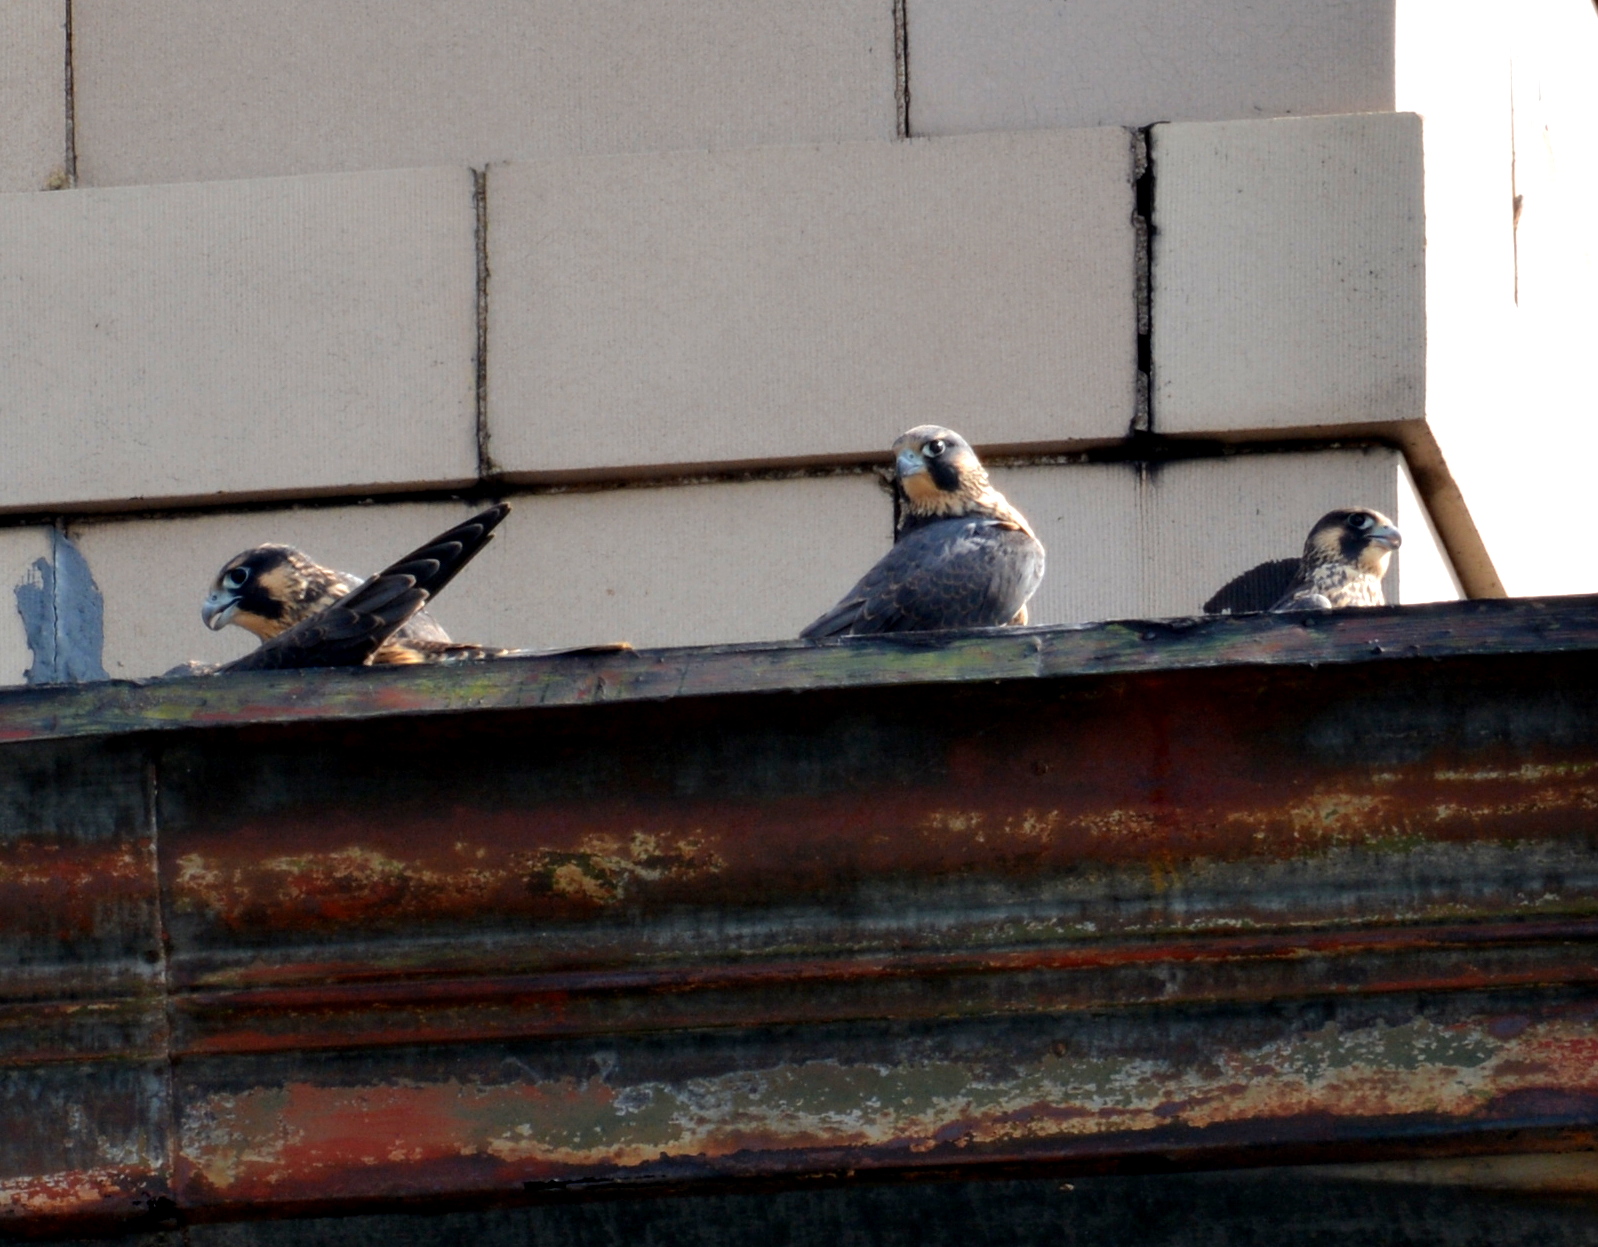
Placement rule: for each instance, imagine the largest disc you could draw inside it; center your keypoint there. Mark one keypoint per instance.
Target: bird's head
(266, 591)
(937, 473)
(1358, 537)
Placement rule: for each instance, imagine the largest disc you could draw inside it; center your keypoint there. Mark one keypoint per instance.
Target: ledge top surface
(1383, 634)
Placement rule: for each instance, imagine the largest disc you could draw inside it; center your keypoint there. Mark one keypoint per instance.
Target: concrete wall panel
(174, 90)
(1289, 283)
(246, 338)
(33, 96)
(1023, 64)
(793, 304)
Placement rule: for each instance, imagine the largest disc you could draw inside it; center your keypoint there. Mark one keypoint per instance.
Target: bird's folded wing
(347, 632)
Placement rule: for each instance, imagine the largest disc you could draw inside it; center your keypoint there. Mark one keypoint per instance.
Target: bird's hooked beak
(218, 609)
(909, 463)
(1386, 536)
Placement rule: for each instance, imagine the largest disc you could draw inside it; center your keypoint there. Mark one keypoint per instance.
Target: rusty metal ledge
(1197, 892)
(1441, 630)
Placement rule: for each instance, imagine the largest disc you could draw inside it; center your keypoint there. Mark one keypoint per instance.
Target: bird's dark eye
(235, 579)
(934, 448)
(1359, 523)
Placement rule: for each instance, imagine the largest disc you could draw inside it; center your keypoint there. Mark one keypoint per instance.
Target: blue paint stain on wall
(63, 614)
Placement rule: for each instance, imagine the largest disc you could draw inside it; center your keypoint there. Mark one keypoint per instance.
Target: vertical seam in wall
(70, 158)
(901, 66)
(485, 461)
(1143, 232)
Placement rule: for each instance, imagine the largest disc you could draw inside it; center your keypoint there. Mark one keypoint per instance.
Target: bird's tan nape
(974, 497)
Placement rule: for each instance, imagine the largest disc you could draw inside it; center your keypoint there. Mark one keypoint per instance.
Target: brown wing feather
(349, 631)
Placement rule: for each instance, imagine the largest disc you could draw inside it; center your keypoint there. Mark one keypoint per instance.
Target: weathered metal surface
(1432, 1204)
(1551, 1173)
(78, 908)
(1053, 898)
(842, 822)
(1486, 626)
(84, 1141)
(672, 1108)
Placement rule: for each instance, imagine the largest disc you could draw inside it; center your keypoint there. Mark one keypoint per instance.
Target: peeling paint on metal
(266, 1144)
(353, 882)
(63, 615)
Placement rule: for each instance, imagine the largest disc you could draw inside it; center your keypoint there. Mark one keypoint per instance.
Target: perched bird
(963, 557)
(1344, 561)
(310, 616)
(271, 588)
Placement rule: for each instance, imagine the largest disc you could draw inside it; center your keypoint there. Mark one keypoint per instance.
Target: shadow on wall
(64, 616)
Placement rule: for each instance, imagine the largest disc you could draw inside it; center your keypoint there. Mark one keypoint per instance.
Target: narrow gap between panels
(1143, 275)
(901, 65)
(485, 463)
(70, 156)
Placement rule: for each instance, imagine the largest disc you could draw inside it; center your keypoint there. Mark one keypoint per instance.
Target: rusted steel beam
(967, 816)
(919, 986)
(758, 1102)
(1056, 898)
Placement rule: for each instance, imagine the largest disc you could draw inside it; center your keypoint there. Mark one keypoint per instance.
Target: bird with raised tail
(308, 615)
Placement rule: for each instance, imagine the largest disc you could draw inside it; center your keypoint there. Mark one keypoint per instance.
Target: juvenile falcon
(311, 616)
(1344, 561)
(963, 557)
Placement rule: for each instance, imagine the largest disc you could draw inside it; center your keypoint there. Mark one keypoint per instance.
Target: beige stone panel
(680, 565)
(1022, 64)
(21, 549)
(796, 303)
(1125, 542)
(1094, 559)
(677, 565)
(33, 94)
(243, 338)
(174, 90)
(153, 574)
(1289, 283)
